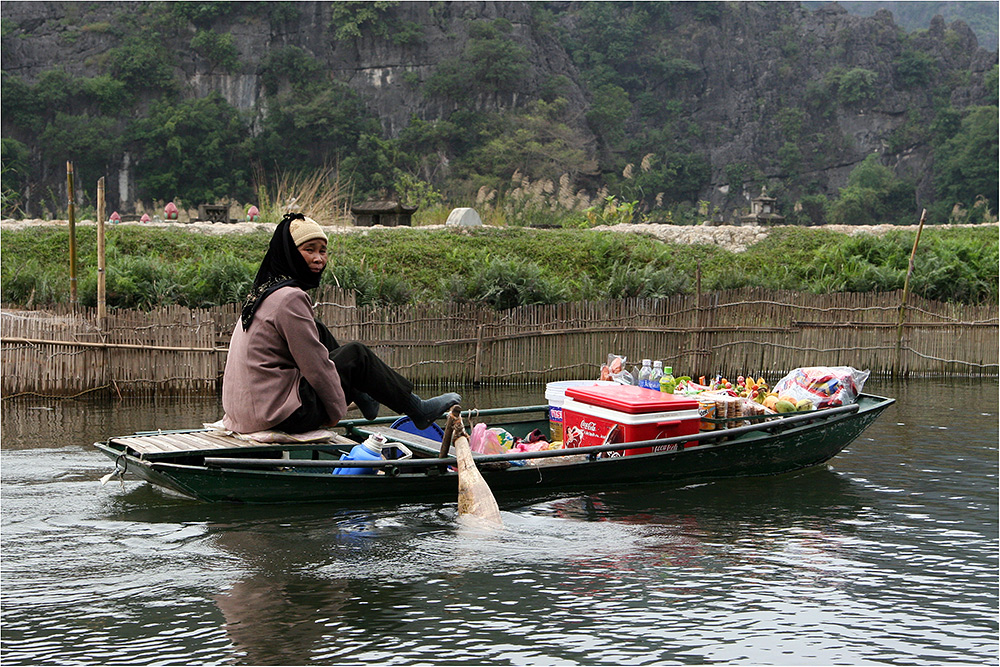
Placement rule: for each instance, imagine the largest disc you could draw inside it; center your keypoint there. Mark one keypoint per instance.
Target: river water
(888, 555)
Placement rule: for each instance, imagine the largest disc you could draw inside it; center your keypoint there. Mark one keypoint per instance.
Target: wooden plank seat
(184, 443)
(192, 442)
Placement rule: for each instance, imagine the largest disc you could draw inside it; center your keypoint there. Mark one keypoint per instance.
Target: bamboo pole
(102, 306)
(906, 293)
(20, 340)
(71, 215)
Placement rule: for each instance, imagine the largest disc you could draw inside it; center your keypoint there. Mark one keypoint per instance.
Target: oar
(474, 495)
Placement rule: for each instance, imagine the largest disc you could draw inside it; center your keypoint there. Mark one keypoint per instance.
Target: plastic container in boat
(555, 395)
(599, 415)
(369, 450)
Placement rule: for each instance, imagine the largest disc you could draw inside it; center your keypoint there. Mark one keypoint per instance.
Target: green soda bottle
(667, 382)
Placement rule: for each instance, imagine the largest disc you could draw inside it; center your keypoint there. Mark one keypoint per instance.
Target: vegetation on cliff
(643, 102)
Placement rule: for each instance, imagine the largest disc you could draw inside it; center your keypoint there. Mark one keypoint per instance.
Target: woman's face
(314, 252)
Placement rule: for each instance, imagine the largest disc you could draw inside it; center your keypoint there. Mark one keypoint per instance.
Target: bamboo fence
(176, 350)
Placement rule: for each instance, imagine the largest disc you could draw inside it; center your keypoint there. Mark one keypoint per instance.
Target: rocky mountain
(913, 15)
(721, 99)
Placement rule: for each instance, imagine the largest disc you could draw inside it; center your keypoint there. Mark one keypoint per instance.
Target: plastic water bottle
(369, 450)
(645, 373)
(668, 383)
(654, 379)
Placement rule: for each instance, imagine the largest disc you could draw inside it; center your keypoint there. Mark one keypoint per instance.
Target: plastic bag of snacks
(615, 370)
(825, 386)
(504, 436)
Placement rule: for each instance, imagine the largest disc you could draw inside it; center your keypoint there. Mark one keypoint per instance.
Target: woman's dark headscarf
(282, 265)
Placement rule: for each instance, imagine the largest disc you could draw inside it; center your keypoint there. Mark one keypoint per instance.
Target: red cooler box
(590, 413)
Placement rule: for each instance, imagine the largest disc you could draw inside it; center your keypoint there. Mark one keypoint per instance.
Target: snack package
(615, 365)
(504, 436)
(825, 386)
(615, 370)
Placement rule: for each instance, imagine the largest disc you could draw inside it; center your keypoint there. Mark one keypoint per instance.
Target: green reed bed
(503, 267)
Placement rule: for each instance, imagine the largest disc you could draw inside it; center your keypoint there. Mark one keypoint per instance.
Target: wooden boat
(211, 466)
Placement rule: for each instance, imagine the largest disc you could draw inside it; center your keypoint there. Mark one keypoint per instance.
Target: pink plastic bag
(484, 441)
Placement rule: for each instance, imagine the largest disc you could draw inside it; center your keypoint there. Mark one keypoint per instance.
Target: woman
(285, 371)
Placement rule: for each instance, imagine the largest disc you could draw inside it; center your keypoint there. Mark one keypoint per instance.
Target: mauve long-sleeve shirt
(260, 388)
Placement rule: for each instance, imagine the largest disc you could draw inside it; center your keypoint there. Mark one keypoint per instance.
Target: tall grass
(542, 203)
(320, 194)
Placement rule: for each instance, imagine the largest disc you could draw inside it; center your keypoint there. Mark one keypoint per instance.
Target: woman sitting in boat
(285, 371)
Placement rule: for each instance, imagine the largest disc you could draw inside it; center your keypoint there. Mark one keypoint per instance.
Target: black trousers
(361, 371)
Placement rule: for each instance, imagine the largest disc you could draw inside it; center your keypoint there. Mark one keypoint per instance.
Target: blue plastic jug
(369, 450)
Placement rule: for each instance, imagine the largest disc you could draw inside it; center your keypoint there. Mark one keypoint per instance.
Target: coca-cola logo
(588, 426)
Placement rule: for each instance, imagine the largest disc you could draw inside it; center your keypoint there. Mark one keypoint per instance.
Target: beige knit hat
(305, 230)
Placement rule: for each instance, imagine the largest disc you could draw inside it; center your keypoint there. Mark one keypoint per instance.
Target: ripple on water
(888, 555)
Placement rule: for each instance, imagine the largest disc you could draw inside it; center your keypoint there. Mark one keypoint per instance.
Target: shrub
(218, 49)
(348, 17)
(201, 13)
(790, 159)
(610, 107)
(373, 288)
(288, 64)
(811, 210)
(219, 279)
(856, 86)
(873, 195)
(142, 62)
(140, 282)
(647, 282)
(89, 142)
(112, 96)
(853, 87)
(504, 283)
(915, 68)
(33, 283)
(325, 126)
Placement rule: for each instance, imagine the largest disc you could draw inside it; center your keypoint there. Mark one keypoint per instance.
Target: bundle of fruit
(787, 403)
(752, 396)
(722, 403)
(745, 387)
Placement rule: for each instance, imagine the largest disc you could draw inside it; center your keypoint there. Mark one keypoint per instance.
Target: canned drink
(706, 410)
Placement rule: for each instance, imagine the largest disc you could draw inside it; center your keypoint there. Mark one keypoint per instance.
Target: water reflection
(818, 494)
(281, 611)
(685, 527)
(888, 555)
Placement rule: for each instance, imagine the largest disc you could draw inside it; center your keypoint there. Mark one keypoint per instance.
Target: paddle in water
(474, 496)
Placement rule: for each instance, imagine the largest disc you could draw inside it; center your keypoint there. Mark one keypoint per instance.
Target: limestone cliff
(736, 67)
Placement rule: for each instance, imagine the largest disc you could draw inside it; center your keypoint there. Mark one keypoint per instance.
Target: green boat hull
(770, 448)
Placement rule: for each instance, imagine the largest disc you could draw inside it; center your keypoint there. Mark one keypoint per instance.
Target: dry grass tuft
(320, 195)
